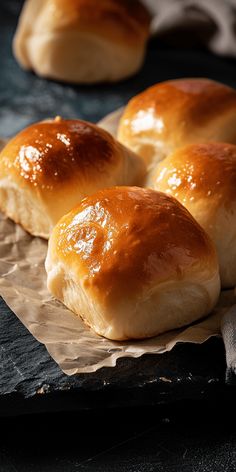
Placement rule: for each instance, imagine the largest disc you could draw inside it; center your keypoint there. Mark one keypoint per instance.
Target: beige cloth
(190, 23)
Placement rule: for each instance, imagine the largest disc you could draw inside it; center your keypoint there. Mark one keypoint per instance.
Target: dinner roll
(132, 263)
(203, 178)
(47, 168)
(175, 113)
(82, 41)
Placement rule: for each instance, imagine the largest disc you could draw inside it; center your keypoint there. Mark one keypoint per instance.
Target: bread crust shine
(203, 178)
(123, 259)
(54, 164)
(172, 114)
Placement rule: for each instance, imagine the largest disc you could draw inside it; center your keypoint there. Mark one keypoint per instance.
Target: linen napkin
(228, 329)
(190, 23)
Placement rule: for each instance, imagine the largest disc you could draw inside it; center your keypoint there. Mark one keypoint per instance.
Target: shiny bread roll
(172, 114)
(132, 263)
(47, 168)
(82, 41)
(203, 178)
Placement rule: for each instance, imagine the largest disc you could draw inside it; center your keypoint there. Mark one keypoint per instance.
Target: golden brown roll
(132, 263)
(50, 166)
(203, 178)
(175, 113)
(82, 41)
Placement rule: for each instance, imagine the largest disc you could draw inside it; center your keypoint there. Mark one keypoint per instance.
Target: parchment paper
(70, 343)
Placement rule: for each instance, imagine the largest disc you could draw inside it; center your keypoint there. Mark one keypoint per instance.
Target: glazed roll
(132, 263)
(203, 178)
(172, 114)
(47, 168)
(82, 41)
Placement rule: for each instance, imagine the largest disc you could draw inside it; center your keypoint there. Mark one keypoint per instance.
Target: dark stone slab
(30, 381)
(183, 437)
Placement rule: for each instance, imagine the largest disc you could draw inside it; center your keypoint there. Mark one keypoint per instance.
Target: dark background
(147, 431)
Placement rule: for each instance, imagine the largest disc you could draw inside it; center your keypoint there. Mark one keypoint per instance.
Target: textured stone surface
(29, 379)
(179, 438)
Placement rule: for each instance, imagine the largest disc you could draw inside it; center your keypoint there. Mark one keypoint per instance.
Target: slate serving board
(30, 381)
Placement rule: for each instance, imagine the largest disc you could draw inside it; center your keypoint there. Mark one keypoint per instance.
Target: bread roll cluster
(172, 114)
(185, 130)
(142, 232)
